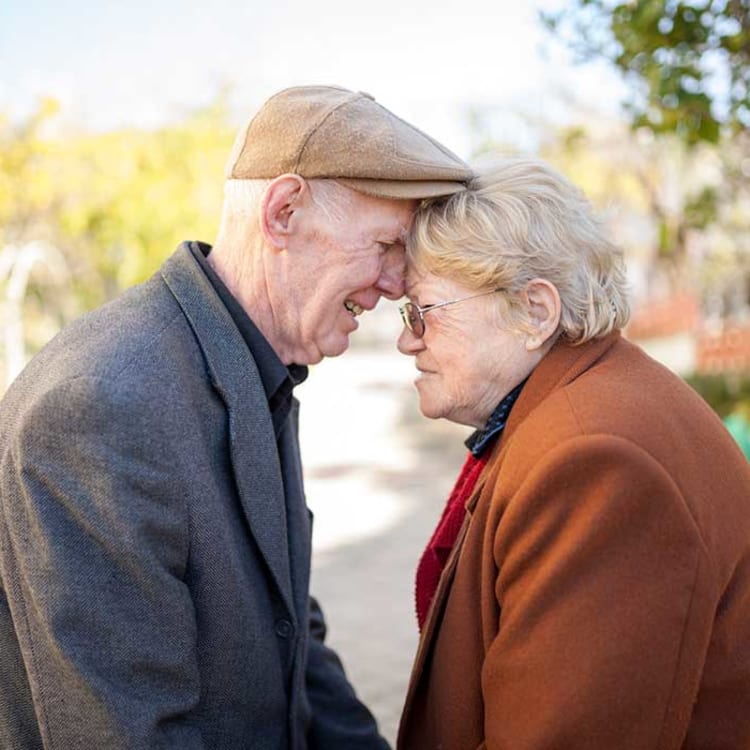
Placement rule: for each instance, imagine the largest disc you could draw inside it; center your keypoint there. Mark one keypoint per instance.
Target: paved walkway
(377, 475)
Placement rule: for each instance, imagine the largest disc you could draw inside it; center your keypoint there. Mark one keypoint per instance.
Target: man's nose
(390, 283)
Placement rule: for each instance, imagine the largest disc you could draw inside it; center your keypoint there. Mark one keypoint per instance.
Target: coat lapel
(235, 377)
(560, 366)
(434, 614)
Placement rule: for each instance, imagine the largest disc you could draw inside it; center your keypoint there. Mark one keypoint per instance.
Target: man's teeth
(353, 308)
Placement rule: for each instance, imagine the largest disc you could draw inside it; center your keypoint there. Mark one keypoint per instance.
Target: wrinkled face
(343, 265)
(467, 360)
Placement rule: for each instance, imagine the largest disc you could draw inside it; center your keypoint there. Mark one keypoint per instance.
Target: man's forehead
(398, 212)
(398, 226)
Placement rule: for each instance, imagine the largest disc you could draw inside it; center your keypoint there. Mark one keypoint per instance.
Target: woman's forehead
(414, 279)
(423, 282)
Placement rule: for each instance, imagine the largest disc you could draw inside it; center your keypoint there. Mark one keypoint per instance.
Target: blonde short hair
(519, 220)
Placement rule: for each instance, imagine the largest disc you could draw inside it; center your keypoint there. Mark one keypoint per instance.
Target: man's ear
(544, 309)
(279, 203)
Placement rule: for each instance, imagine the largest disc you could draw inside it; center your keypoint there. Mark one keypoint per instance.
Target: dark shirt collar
(479, 440)
(278, 380)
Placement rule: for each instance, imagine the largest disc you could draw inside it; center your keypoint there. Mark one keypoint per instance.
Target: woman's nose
(408, 343)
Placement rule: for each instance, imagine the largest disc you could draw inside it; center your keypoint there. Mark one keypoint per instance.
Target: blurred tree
(688, 65)
(688, 62)
(657, 196)
(114, 204)
(26, 194)
(133, 196)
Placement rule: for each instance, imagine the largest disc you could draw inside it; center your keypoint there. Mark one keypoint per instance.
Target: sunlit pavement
(376, 477)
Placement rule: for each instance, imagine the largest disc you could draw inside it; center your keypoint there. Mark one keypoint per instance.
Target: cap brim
(404, 189)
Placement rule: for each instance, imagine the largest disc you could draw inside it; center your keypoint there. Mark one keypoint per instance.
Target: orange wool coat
(598, 596)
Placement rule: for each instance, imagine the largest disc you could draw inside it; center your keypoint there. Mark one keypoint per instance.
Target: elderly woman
(588, 584)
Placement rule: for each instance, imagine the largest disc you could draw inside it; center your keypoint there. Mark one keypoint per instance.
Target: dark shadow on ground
(366, 588)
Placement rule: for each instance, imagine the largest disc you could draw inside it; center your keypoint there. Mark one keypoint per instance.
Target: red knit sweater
(439, 547)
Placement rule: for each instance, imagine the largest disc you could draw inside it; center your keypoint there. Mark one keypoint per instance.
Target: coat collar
(234, 375)
(562, 364)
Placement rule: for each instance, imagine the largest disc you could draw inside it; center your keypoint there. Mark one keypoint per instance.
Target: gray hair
(240, 236)
(519, 220)
(242, 198)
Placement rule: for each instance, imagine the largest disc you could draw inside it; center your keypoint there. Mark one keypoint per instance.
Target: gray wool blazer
(146, 596)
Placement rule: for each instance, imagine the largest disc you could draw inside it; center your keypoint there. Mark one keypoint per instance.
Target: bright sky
(143, 63)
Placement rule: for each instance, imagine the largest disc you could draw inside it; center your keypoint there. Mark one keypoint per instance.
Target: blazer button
(284, 628)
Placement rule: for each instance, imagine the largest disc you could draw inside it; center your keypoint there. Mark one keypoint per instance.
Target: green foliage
(725, 394)
(729, 397)
(701, 210)
(688, 62)
(116, 203)
(738, 425)
(26, 189)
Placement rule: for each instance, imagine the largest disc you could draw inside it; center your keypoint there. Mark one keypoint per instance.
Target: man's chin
(334, 347)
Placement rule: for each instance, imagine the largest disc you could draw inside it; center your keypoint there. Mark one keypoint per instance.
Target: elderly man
(154, 539)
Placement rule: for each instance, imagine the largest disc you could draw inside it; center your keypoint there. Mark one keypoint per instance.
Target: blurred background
(116, 120)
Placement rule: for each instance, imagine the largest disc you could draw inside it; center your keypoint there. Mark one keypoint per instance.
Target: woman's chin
(428, 407)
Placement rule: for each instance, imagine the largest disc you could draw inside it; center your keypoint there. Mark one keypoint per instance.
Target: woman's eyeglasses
(413, 315)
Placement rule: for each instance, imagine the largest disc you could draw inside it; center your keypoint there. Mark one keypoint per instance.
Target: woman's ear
(544, 309)
(279, 203)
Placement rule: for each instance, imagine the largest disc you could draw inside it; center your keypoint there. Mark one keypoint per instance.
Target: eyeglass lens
(414, 320)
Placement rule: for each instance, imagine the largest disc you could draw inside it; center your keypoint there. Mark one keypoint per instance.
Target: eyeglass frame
(427, 308)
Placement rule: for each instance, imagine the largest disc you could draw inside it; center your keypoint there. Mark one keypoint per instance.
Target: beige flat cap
(331, 132)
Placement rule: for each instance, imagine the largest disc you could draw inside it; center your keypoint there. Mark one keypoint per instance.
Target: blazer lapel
(235, 377)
